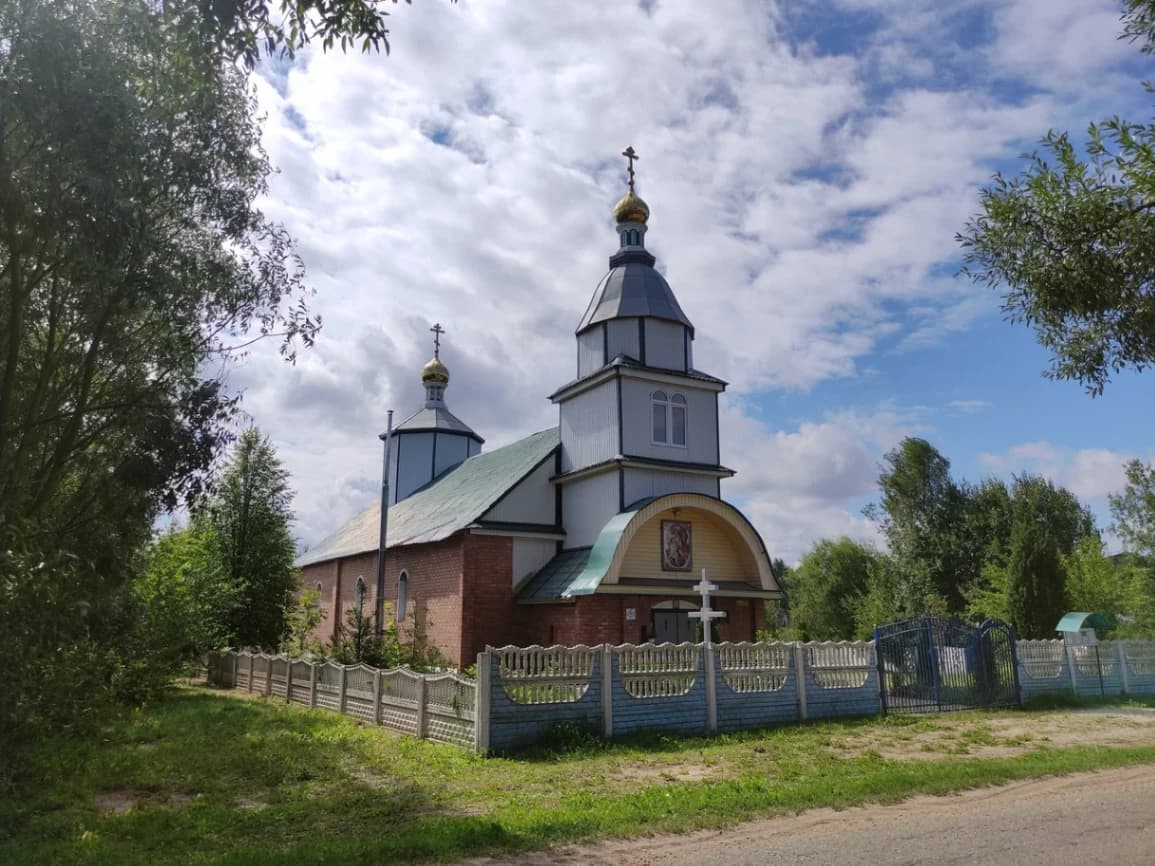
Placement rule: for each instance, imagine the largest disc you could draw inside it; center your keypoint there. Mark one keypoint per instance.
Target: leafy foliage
(827, 587)
(1071, 241)
(398, 644)
(924, 514)
(300, 620)
(246, 527)
(246, 30)
(1133, 509)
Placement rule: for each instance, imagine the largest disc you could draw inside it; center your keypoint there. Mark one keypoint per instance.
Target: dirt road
(1090, 819)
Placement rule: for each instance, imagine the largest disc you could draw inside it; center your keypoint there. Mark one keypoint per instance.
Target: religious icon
(677, 550)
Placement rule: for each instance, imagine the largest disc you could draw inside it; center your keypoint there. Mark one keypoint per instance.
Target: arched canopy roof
(604, 564)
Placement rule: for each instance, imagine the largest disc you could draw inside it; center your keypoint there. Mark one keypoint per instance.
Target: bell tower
(638, 421)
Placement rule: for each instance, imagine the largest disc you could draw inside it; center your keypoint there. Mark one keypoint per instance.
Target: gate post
(1070, 656)
(878, 663)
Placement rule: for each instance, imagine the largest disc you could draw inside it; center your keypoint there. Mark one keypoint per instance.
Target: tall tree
(1070, 242)
(246, 526)
(1047, 524)
(827, 587)
(923, 513)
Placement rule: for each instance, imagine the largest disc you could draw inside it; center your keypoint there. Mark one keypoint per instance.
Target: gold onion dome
(631, 209)
(435, 371)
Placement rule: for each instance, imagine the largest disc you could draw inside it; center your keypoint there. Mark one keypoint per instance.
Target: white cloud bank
(804, 202)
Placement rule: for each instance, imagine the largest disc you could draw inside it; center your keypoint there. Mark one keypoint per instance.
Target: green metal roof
(602, 553)
(1081, 619)
(447, 505)
(554, 578)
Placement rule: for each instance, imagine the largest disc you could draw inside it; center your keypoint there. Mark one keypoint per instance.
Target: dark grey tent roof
(633, 288)
(435, 418)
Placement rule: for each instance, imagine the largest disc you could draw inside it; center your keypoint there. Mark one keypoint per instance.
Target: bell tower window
(669, 418)
(677, 420)
(661, 406)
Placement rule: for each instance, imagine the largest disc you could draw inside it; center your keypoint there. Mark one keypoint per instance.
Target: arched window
(359, 596)
(402, 595)
(661, 406)
(677, 420)
(669, 413)
(320, 592)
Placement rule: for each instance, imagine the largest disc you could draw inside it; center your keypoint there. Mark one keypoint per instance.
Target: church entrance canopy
(659, 546)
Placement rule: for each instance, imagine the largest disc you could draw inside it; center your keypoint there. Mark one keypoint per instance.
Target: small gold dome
(631, 209)
(435, 371)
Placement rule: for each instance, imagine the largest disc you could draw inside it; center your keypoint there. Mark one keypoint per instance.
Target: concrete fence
(433, 706)
(1118, 667)
(526, 693)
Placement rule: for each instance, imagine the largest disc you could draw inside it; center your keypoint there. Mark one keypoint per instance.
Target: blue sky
(807, 166)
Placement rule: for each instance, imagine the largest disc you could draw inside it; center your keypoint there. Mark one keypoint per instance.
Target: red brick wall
(462, 590)
(434, 588)
(488, 615)
(595, 619)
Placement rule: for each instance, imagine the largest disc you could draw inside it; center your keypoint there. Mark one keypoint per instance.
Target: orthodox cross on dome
(706, 615)
(437, 332)
(630, 154)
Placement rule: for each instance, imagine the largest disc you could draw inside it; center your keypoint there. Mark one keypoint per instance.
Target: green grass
(217, 779)
(1066, 700)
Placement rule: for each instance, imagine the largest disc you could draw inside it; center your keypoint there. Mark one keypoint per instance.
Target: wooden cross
(630, 154)
(437, 332)
(706, 615)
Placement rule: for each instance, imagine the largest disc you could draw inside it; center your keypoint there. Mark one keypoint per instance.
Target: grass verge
(211, 779)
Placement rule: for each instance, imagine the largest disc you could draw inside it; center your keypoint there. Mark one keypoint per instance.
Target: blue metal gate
(934, 664)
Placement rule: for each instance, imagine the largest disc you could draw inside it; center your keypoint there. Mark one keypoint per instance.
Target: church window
(678, 420)
(320, 591)
(359, 596)
(661, 406)
(669, 416)
(402, 595)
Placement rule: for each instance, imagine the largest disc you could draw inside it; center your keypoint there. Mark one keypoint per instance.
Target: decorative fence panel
(435, 706)
(841, 679)
(1099, 669)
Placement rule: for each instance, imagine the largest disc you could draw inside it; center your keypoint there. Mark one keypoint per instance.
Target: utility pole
(385, 437)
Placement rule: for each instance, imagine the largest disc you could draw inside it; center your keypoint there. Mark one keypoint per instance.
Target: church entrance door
(672, 626)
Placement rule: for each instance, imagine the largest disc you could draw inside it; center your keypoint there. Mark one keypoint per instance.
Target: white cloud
(802, 214)
(796, 485)
(1089, 473)
(969, 407)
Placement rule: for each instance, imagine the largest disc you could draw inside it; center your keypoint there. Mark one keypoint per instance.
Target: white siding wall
(623, 338)
(586, 506)
(644, 483)
(413, 458)
(638, 430)
(665, 344)
(531, 501)
(451, 450)
(530, 554)
(589, 427)
(591, 351)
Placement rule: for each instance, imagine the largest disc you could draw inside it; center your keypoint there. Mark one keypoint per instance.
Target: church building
(593, 531)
